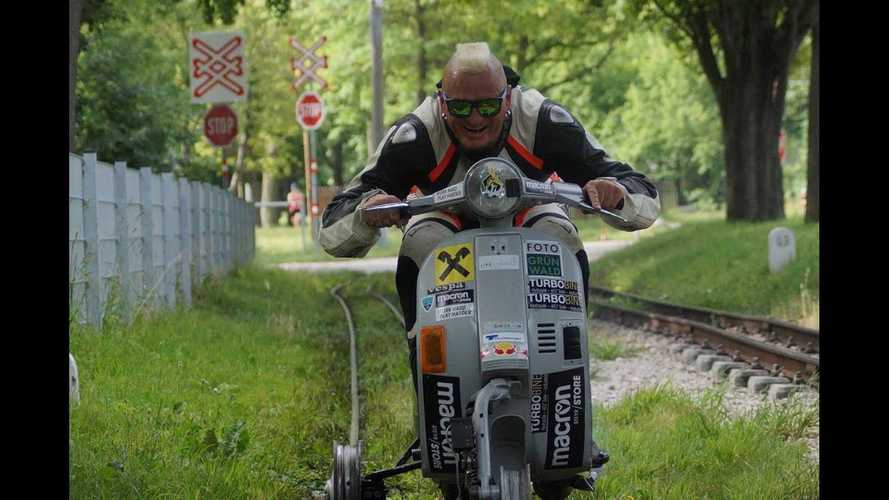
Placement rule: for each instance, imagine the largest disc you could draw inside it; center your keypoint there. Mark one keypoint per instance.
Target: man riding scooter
(479, 111)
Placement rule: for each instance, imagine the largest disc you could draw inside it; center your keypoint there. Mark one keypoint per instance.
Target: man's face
(475, 132)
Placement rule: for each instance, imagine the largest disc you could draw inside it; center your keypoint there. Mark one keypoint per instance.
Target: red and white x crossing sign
(307, 63)
(218, 69)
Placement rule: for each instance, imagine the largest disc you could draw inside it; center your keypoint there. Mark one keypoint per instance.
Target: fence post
(147, 199)
(167, 188)
(194, 203)
(91, 238)
(229, 240)
(122, 229)
(185, 239)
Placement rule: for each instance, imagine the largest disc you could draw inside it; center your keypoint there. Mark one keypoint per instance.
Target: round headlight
(486, 187)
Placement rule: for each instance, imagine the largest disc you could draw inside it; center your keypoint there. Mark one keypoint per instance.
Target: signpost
(218, 74)
(309, 115)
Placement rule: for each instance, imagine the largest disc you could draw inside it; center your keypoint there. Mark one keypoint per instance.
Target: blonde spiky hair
(473, 58)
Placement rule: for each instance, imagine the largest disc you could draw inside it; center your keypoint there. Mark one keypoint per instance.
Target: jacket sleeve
(398, 163)
(577, 157)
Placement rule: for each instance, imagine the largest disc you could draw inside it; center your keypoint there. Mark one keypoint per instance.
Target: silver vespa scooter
(502, 359)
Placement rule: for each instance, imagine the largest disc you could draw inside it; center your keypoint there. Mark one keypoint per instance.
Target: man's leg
(421, 235)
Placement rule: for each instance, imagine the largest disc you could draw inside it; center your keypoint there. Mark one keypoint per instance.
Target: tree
(745, 49)
(813, 198)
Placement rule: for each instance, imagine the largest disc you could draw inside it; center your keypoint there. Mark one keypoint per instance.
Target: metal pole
(376, 28)
(314, 170)
(307, 154)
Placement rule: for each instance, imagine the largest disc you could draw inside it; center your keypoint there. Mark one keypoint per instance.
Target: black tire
(552, 491)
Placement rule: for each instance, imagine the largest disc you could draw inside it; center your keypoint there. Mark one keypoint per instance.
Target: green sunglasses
(486, 107)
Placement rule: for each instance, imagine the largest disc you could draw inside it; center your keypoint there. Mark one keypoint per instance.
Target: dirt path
(594, 250)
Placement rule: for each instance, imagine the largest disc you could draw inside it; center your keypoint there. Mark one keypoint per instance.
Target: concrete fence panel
(142, 240)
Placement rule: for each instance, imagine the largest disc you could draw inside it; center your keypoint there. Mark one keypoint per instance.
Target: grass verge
(709, 262)
(279, 244)
(666, 445)
(242, 396)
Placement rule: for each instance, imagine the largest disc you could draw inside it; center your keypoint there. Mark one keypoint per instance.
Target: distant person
(296, 205)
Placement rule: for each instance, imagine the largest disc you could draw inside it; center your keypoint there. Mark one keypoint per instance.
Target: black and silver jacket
(539, 136)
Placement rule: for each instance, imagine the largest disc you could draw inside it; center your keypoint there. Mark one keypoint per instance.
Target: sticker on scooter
(553, 293)
(441, 399)
(505, 344)
(446, 288)
(565, 439)
(454, 264)
(498, 262)
(456, 297)
(427, 302)
(539, 403)
(543, 258)
(454, 312)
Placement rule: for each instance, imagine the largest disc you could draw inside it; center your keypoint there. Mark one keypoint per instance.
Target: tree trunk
(813, 200)
(75, 10)
(237, 182)
(268, 215)
(751, 117)
(422, 65)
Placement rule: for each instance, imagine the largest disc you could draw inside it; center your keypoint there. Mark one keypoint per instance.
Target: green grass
(709, 262)
(242, 396)
(605, 348)
(666, 445)
(279, 244)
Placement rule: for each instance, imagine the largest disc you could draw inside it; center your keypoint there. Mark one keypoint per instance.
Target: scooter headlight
(486, 191)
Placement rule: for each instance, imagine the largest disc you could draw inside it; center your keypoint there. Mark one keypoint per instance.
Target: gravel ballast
(652, 363)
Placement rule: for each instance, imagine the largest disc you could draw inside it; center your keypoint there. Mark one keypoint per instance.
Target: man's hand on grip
(604, 193)
(383, 218)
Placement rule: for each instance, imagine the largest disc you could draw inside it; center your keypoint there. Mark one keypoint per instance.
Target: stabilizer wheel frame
(345, 476)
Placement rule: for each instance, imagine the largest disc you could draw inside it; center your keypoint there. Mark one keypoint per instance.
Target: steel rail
(791, 363)
(353, 357)
(388, 304)
(807, 339)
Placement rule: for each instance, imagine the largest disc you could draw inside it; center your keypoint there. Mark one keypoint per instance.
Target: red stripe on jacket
(530, 158)
(443, 164)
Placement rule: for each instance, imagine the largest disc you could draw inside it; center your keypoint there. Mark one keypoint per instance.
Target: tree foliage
(636, 86)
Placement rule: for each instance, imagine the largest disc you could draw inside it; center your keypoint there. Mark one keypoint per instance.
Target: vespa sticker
(454, 264)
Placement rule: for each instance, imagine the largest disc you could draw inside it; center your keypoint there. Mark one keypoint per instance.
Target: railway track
(781, 348)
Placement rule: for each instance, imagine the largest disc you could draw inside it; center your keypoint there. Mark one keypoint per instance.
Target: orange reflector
(432, 349)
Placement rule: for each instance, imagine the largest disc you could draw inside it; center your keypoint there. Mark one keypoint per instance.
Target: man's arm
(388, 176)
(579, 158)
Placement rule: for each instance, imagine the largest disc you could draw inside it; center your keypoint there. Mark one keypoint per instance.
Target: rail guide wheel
(345, 476)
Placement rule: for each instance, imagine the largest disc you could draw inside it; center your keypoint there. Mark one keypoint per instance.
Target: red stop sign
(221, 125)
(310, 110)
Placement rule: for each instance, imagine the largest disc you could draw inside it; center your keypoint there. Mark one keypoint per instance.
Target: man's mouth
(475, 131)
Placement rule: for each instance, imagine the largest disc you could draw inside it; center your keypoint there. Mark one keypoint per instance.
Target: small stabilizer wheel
(345, 476)
(515, 484)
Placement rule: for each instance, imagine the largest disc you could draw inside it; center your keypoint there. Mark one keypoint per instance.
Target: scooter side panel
(541, 303)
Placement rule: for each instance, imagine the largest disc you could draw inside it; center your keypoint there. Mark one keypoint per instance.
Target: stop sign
(309, 110)
(221, 125)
